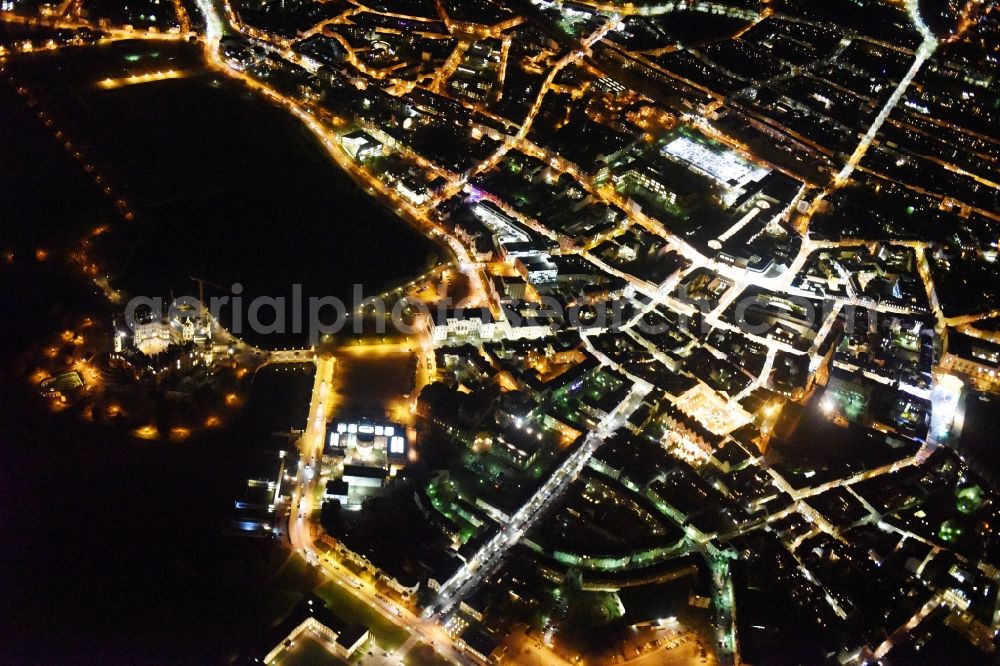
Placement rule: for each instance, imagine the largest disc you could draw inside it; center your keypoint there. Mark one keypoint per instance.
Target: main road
(924, 51)
(300, 535)
(489, 556)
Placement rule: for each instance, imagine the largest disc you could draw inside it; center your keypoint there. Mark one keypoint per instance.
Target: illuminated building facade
(368, 442)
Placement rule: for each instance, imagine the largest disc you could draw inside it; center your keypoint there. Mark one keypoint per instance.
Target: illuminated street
(663, 331)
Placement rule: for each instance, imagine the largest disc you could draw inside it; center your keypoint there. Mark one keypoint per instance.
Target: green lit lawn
(351, 609)
(423, 655)
(852, 406)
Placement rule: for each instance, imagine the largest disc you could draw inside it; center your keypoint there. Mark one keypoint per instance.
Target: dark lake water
(113, 549)
(224, 185)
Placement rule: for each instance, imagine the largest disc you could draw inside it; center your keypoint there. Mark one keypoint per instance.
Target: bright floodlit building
(311, 618)
(463, 324)
(944, 406)
(971, 357)
(726, 167)
(363, 441)
(361, 145)
(644, 177)
(500, 224)
(155, 336)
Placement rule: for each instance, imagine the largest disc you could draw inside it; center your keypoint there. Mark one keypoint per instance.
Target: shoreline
(432, 255)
